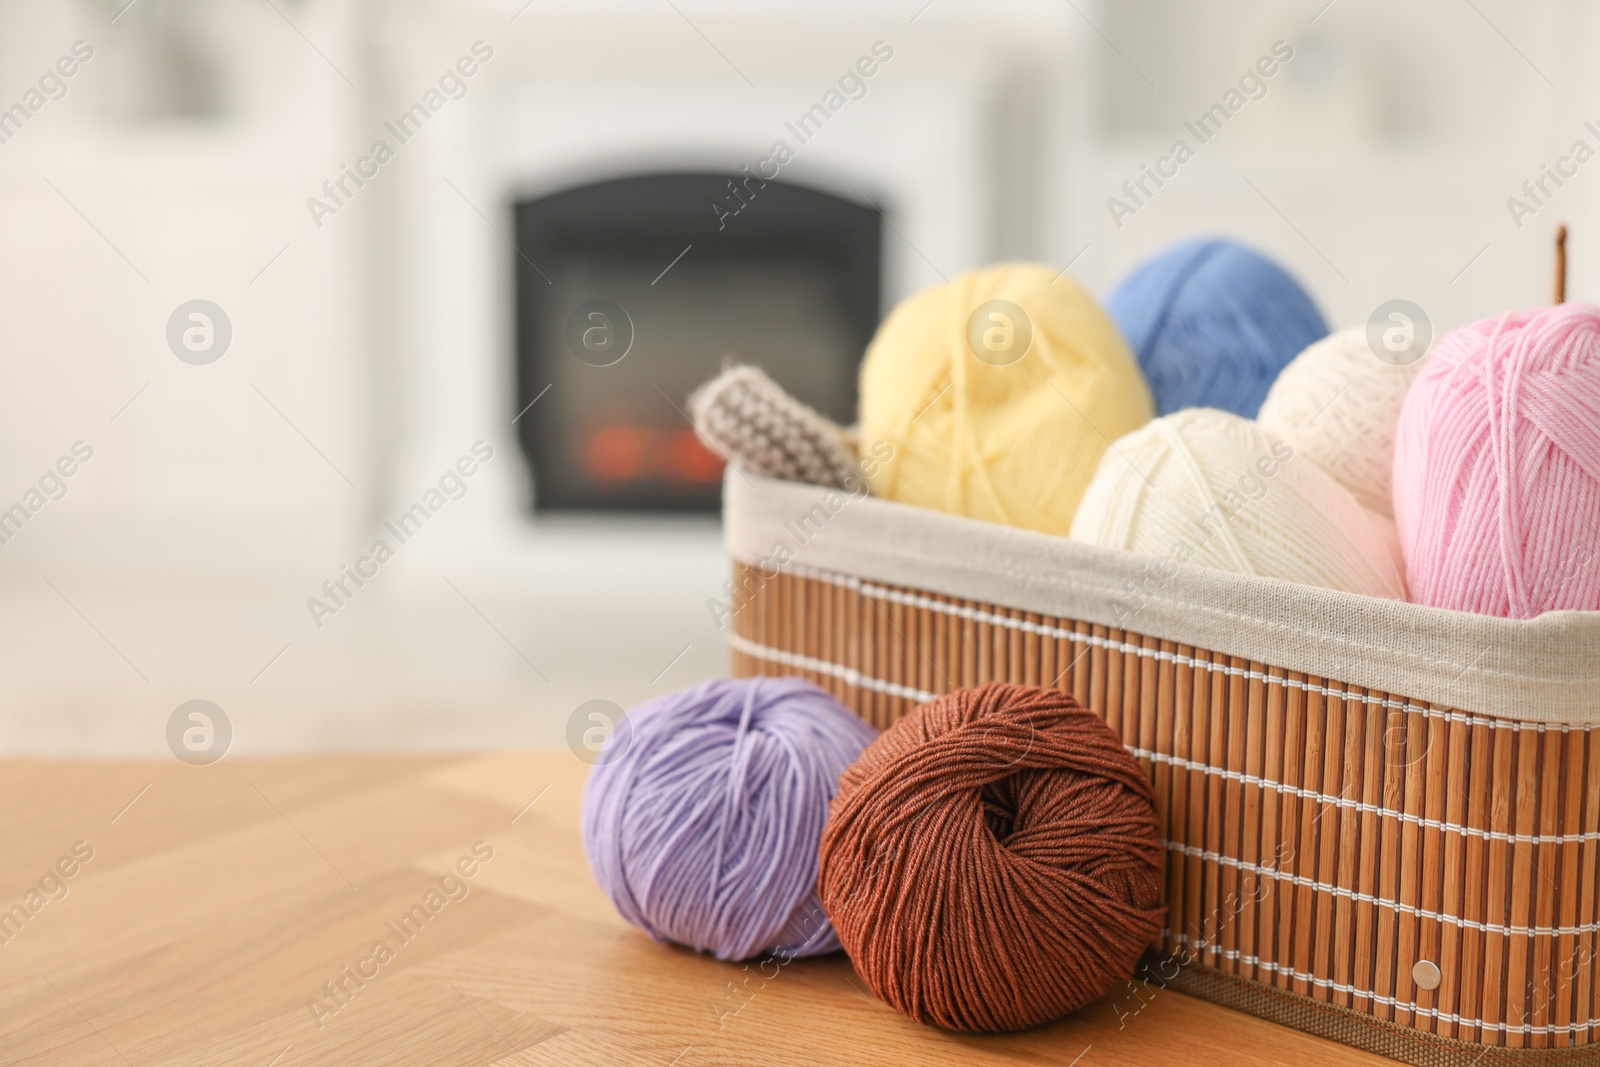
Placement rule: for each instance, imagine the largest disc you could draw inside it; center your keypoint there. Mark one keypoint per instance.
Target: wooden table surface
(232, 914)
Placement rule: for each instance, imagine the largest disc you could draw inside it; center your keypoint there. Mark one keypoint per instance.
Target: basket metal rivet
(1426, 974)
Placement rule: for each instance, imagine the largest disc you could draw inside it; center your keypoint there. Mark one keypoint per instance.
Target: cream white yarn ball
(1211, 488)
(1338, 405)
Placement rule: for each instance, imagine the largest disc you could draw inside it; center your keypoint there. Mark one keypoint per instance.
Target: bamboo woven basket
(1382, 820)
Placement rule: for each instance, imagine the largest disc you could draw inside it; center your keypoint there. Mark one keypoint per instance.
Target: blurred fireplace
(632, 292)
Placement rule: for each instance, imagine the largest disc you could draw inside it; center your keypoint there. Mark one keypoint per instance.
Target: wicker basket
(1382, 820)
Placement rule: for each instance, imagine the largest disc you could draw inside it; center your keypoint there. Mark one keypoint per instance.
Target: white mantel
(952, 140)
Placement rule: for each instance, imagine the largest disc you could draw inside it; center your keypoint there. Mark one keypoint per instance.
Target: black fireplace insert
(633, 291)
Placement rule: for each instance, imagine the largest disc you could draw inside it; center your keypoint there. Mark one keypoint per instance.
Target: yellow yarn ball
(1012, 437)
(1207, 487)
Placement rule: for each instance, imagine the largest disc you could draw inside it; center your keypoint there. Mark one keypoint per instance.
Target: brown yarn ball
(993, 861)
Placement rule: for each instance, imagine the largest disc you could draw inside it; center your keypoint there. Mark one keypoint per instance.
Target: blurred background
(371, 315)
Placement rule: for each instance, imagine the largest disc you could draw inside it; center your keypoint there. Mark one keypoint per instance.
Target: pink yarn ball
(1497, 466)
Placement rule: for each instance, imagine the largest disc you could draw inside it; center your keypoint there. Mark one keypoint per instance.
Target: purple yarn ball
(705, 830)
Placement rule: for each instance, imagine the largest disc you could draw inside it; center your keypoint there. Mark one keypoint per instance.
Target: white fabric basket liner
(1542, 670)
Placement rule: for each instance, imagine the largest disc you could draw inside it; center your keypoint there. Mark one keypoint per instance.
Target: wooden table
(229, 915)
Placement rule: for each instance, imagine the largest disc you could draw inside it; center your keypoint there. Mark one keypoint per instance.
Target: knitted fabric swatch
(747, 418)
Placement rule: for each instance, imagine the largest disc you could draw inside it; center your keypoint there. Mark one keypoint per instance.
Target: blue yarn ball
(1212, 323)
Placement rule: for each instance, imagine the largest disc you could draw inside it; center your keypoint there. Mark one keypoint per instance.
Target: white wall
(115, 217)
(1387, 147)
(376, 348)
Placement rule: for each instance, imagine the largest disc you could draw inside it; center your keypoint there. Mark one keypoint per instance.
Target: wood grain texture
(217, 904)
